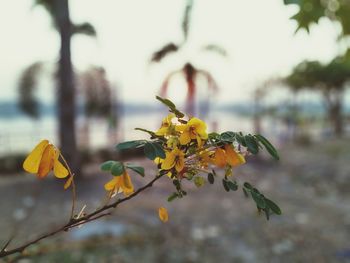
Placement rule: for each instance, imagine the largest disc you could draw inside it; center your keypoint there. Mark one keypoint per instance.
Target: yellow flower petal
(127, 186)
(158, 160)
(233, 158)
(163, 214)
(32, 162)
(68, 183)
(219, 157)
(59, 170)
(47, 161)
(112, 184)
(185, 138)
(181, 127)
(169, 161)
(180, 164)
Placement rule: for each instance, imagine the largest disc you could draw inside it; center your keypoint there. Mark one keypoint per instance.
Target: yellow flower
(172, 142)
(166, 125)
(43, 159)
(220, 157)
(163, 214)
(120, 184)
(175, 158)
(227, 156)
(233, 158)
(205, 158)
(194, 129)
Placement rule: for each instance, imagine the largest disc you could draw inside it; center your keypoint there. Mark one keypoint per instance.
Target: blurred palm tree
(330, 79)
(188, 71)
(59, 12)
(99, 101)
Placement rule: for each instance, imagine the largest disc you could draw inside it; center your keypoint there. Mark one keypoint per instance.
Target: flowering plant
(182, 150)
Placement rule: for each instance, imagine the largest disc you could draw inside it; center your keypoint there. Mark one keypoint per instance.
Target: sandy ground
(209, 225)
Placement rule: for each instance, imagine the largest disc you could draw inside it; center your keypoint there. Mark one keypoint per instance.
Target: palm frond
(216, 49)
(96, 90)
(85, 29)
(163, 52)
(186, 22)
(27, 85)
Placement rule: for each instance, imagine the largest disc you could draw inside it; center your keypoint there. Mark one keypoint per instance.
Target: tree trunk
(66, 89)
(334, 107)
(336, 119)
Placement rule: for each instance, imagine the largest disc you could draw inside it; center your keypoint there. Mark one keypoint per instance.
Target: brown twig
(80, 221)
(74, 195)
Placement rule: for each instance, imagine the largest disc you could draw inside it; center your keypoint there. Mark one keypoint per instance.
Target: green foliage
(252, 142)
(311, 11)
(130, 144)
(114, 167)
(197, 164)
(138, 169)
(268, 146)
(153, 150)
(171, 106)
(262, 203)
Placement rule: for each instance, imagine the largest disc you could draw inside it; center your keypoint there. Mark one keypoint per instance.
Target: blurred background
(84, 74)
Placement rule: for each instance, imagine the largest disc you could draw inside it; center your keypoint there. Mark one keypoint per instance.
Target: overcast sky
(257, 34)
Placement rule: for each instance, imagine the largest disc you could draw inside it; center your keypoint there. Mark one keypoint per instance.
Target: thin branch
(80, 221)
(74, 195)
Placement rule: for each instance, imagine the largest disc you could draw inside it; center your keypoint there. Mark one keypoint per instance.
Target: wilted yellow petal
(112, 184)
(163, 214)
(32, 162)
(127, 186)
(59, 170)
(233, 158)
(47, 161)
(219, 157)
(68, 183)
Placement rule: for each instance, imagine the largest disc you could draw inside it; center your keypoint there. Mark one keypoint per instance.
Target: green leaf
(232, 185)
(252, 144)
(166, 102)
(225, 184)
(153, 150)
(130, 144)
(117, 169)
(178, 113)
(138, 169)
(153, 134)
(274, 207)
(240, 139)
(248, 186)
(107, 166)
(245, 192)
(199, 181)
(228, 136)
(258, 199)
(214, 136)
(211, 178)
(268, 146)
(287, 2)
(172, 197)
